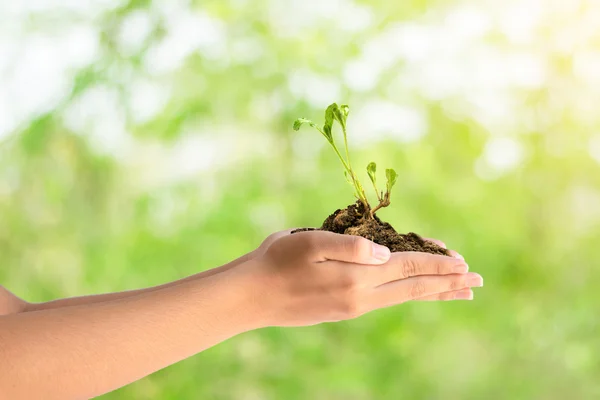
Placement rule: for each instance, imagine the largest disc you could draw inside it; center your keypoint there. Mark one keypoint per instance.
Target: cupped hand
(277, 235)
(313, 277)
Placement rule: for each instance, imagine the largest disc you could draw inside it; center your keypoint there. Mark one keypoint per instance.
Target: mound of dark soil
(352, 221)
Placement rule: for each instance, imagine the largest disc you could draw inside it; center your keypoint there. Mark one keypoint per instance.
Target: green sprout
(340, 115)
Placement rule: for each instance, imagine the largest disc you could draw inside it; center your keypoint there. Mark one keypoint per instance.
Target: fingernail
(457, 255)
(464, 295)
(475, 280)
(381, 253)
(461, 268)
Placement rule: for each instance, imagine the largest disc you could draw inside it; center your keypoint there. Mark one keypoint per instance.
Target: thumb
(348, 248)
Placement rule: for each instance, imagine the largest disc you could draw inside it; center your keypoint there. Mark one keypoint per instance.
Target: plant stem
(346, 145)
(360, 193)
(379, 196)
(346, 165)
(382, 203)
(359, 189)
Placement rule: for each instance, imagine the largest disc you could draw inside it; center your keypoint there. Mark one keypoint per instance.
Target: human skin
(11, 304)
(84, 347)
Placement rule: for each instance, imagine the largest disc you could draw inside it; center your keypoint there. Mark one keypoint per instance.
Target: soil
(351, 221)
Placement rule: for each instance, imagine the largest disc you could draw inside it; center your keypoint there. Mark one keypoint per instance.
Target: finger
(325, 246)
(422, 286)
(436, 241)
(455, 254)
(452, 253)
(463, 294)
(410, 263)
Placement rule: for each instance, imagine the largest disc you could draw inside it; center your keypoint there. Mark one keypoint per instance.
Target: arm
(10, 304)
(100, 298)
(18, 305)
(84, 351)
(302, 279)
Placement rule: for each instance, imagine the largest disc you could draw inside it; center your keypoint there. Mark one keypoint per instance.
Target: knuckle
(271, 237)
(453, 284)
(457, 283)
(352, 308)
(410, 267)
(353, 282)
(349, 285)
(358, 247)
(273, 252)
(417, 289)
(441, 268)
(268, 242)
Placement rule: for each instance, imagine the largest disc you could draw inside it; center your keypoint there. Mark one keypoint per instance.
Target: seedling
(339, 114)
(359, 219)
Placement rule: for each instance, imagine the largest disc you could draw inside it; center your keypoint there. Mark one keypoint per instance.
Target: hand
(313, 277)
(260, 250)
(277, 235)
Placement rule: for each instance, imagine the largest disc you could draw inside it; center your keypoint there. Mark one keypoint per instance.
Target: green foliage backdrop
(143, 141)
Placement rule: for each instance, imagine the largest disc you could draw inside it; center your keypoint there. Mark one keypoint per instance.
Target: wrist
(253, 293)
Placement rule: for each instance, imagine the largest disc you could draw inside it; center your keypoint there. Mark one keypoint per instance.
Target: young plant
(340, 115)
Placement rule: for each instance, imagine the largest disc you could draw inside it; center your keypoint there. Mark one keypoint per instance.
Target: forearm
(84, 351)
(99, 298)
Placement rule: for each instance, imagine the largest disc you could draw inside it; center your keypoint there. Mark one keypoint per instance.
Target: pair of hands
(313, 277)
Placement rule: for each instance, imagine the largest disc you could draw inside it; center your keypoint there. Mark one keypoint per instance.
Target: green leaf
(345, 110)
(372, 170)
(391, 176)
(301, 121)
(339, 117)
(329, 117)
(341, 114)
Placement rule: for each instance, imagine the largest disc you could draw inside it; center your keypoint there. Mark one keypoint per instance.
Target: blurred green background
(143, 141)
